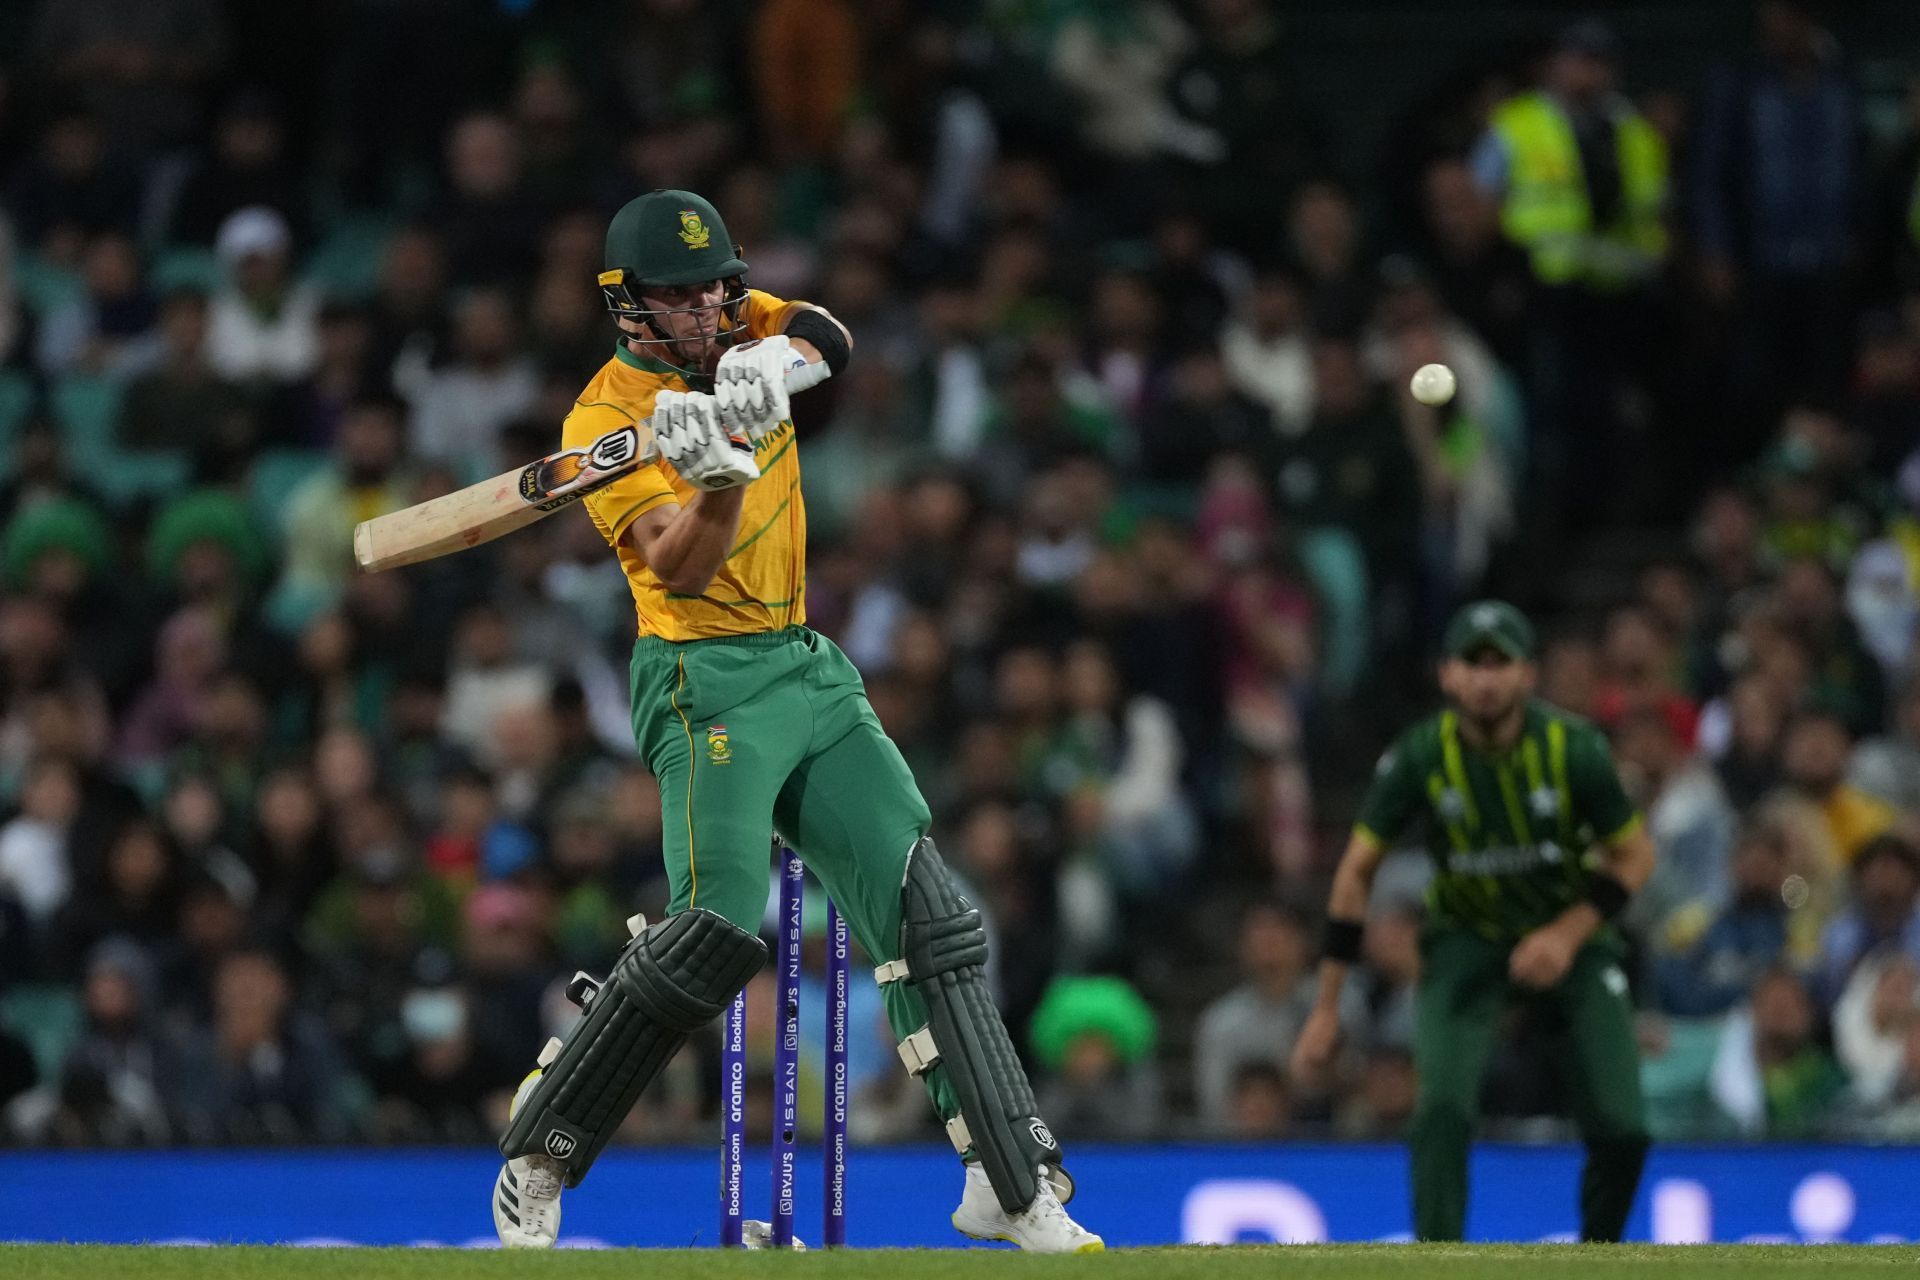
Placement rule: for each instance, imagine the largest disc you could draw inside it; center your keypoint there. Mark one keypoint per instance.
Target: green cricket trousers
(754, 734)
(1463, 991)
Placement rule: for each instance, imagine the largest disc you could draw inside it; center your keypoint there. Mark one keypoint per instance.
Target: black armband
(825, 335)
(1608, 896)
(1342, 941)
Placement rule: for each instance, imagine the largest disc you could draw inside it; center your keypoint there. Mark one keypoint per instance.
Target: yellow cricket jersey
(761, 585)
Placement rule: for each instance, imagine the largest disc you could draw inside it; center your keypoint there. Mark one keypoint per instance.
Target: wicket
(786, 1077)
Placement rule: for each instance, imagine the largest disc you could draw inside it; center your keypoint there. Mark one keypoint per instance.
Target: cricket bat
(515, 499)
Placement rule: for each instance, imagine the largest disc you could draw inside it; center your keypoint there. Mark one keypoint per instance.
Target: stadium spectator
(111, 1089)
(264, 1071)
(1094, 1036)
(106, 329)
(144, 71)
(1884, 915)
(1687, 813)
(1772, 1077)
(1815, 759)
(1888, 767)
(73, 188)
(485, 383)
(182, 402)
(263, 327)
(248, 168)
(1706, 962)
(1779, 179)
(1260, 1018)
(1582, 178)
(35, 862)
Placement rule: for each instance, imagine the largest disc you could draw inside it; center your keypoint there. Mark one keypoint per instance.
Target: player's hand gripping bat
(482, 512)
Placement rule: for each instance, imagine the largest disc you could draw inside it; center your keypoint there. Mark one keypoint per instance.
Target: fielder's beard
(1504, 723)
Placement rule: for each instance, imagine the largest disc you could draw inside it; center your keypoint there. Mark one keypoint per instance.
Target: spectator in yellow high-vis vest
(1580, 174)
(1581, 181)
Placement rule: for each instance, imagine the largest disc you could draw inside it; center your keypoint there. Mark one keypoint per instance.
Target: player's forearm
(1629, 863)
(689, 549)
(1346, 907)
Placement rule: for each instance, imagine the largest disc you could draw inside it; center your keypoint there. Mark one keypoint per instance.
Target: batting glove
(686, 426)
(750, 385)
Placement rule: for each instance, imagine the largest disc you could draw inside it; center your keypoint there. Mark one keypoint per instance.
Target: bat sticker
(565, 477)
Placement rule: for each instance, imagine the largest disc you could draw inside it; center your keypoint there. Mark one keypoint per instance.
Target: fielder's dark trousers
(1463, 992)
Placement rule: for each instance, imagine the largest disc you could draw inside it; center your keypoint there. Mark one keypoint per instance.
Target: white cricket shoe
(526, 1195)
(756, 1234)
(1042, 1227)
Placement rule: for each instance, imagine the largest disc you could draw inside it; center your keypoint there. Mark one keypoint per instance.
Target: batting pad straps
(671, 980)
(891, 971)
(959, 1135)
(945, 951)
(919, 1053)
(945, 944)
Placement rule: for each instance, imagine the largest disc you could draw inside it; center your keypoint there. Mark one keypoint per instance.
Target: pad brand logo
(560, 1145)
(694, 231)
(719, 751)
(1041, 1134)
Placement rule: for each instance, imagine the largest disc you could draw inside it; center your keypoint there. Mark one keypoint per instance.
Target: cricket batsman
(753, 723)
(1536, 849)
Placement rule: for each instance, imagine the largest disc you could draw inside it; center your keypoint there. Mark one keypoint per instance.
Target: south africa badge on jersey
(719, 751)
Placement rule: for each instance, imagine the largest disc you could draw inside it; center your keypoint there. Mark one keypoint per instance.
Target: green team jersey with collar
(1512, 835)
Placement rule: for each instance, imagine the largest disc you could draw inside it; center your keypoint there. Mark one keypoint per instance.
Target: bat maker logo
(694, 231)
(718, 749)
(560, 1145)
(558, 480)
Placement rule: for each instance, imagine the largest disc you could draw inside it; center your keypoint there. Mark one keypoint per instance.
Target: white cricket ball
(1433, 384)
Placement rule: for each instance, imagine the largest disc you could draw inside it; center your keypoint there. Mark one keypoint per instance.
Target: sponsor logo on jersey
(1505, 860)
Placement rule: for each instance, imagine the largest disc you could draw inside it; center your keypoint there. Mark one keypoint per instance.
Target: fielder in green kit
(1535, 849)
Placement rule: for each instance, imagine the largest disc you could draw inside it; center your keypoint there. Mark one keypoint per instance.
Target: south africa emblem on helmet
(718, 752)
(694, 231)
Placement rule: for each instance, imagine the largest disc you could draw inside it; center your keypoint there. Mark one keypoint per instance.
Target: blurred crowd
(1122, 510)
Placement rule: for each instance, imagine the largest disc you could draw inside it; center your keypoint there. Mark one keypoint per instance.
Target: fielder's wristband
(1608, 896)
(1342, 941)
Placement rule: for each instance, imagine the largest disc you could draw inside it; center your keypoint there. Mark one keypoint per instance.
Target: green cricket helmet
(670, 238)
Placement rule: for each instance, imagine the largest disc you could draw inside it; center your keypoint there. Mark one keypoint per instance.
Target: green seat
(1333, 559)
(88, 411)
(1677, 1083)
(48, 1017)
(187, 267)
(143, 473)
(16, 405)
(272, 480)
(45, 287)
(346, 263)
(87, 408)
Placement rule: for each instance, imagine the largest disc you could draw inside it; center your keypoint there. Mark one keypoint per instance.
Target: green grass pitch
(1289, 1262)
